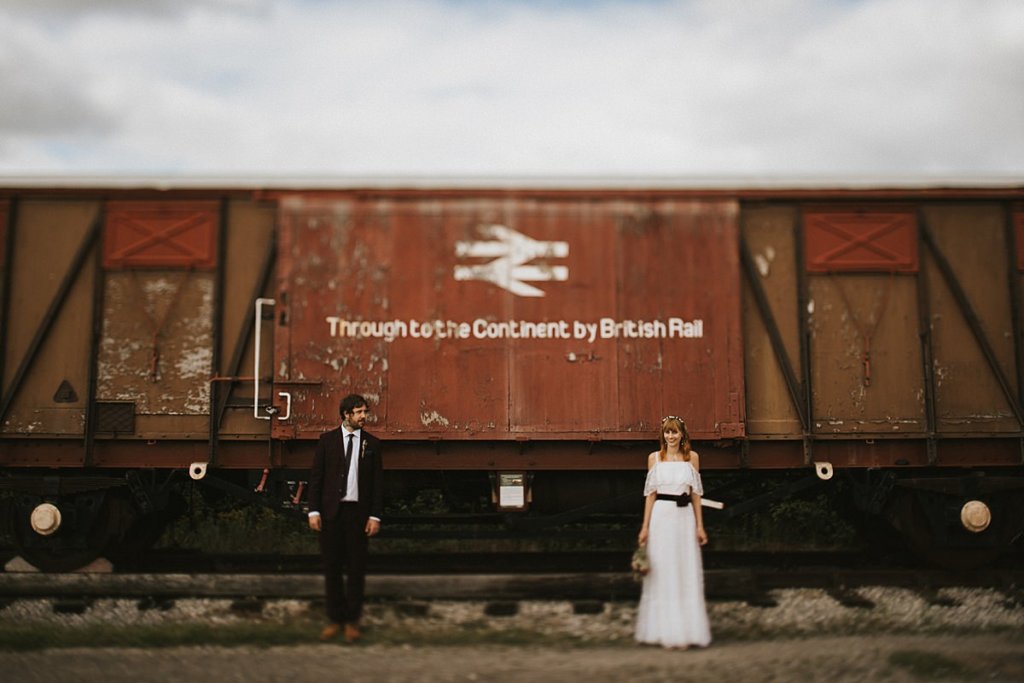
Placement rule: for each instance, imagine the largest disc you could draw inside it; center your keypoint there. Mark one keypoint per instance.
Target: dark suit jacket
(328, 466)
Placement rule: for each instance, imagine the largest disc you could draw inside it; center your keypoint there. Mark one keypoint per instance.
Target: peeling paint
(764, 261)
(161, 365)
(431, 418)
(987, 416)
(195, 363)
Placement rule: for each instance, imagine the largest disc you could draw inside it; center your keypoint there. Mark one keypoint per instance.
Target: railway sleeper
(248, 605)
(933, 596)
(152, 602)
(1014, 598)
(72, 605)
(738, 585)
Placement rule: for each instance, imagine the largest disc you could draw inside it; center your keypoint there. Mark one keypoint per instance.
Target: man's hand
(314, 522)
(372, 527)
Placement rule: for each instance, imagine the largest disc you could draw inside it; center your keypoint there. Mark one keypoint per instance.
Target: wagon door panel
(247, 265)
(50, 396)
(866, 368)
(969, 397)
(679, 263)
(770, 241)
(334, 257)
(155, 352)
(441, 385)
(567, 385)
(861, 388)
(886, 269)
(505, 318)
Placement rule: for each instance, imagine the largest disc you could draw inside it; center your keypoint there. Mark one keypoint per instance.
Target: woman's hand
(702, 536)
(642, 538)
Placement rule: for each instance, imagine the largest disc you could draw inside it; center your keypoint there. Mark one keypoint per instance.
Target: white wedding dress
(672, 611)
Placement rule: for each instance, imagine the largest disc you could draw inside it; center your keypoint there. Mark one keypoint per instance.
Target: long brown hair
(684, 444)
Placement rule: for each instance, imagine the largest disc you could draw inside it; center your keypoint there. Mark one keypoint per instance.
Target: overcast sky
(916, 88)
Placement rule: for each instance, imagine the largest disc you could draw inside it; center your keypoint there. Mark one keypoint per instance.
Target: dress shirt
(352, 481)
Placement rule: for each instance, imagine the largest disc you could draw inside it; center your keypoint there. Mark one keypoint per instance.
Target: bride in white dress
(671, 611)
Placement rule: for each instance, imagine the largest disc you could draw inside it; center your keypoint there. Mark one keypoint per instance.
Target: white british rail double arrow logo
(511, 251)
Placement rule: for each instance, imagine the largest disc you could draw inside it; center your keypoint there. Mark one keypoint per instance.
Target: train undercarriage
(62, 519)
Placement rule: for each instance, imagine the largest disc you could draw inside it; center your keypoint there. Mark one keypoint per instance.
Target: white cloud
(690, 87)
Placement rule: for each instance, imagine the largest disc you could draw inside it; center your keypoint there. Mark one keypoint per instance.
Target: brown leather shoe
(352, 633)
(330, 631)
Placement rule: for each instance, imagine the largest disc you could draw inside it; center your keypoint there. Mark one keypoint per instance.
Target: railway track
(169, 561)
(748, 577)
(495, 562)
(519, 562)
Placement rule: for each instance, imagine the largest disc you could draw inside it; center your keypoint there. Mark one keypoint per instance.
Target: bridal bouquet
(640, 564)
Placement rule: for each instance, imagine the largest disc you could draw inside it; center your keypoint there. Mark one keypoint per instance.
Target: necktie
(348, 464)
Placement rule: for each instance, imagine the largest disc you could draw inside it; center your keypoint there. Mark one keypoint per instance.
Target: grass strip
(41, 636)
(929, 666)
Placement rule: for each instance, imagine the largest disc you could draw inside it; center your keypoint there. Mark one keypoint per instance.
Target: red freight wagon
(153, 335)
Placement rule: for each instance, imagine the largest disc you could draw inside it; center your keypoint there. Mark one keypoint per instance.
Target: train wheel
(143, 531)
(933, 530)
(63, 533)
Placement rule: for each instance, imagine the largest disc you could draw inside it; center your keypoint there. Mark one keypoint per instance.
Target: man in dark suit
(345, 506)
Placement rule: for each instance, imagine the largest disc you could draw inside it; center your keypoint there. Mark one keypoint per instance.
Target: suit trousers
(344, 547)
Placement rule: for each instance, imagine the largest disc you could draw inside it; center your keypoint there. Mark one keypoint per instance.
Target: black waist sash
(682, 500)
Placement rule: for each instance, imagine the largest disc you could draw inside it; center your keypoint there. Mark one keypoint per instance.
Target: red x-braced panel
(860, 239)
(160, 235)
